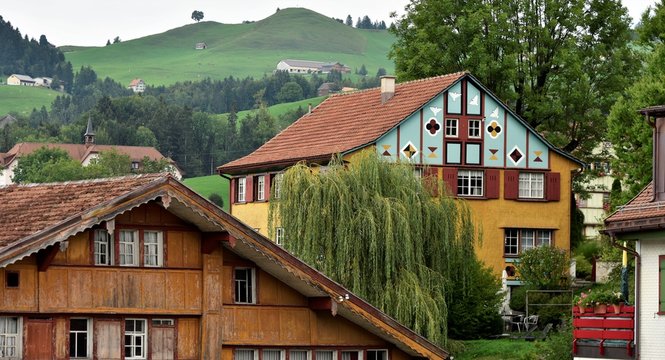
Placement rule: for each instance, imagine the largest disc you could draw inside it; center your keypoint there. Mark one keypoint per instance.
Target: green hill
(22, 99)
(237, 50)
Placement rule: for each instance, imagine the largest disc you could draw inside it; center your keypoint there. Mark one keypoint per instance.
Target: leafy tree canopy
(375, 227)
(560, 64)
(198, 15)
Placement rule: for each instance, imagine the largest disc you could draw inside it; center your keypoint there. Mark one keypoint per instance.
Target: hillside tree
(560, 64)
(375, 228)
(198, 15)
(349, 21)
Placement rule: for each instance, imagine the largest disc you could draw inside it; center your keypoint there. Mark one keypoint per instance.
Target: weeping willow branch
(374, 227)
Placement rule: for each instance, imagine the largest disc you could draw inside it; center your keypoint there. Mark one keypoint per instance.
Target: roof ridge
(90, 181)
(627, 205)
(408, 82)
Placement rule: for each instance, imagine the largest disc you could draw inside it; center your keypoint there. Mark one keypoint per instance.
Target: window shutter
(234, 190)
(249, 189)
(432, 180)
(267, 180)
(450, 179)
(553, 186)
(510, 184)
(661, 284)
(492, 183)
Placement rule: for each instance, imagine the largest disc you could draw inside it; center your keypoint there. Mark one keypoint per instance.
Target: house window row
(473, 128)
(255, 187)
(81, 337)
(518, 185)
(517, 241)
(304, 354)
(135, 248)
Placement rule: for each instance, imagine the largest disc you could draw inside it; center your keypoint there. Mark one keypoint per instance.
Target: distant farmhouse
(25, 80)
(84, 153)
(6, 120)
(137, 85)
(201, 46)
(311, 67)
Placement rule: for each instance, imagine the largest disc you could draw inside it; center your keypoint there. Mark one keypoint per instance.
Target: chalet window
(277, 185)
(518, 240)
(470, 182)
(153, 248)
(279, 236)
(103, 247)
(129, 249)
(271, 354)
(299, 355)
(10, 337)
(352, 355)
(80, 338)
(260, 188)
(531, 185)
(245, 279)
(452, 127)
(377, 354)
(474, 128)
(163, 322)
(241, 189)
(135, 165)
(325, 355)
(12, 279)
(135, 338)
(245, 354)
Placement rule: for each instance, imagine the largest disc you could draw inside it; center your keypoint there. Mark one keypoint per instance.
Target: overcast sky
(92, 22)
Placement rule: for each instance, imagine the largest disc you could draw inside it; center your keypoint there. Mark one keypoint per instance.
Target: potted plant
(617, 301)
(600, 300)
(583, 301)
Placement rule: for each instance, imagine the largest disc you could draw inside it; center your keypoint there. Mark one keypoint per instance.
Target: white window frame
(153, 251)
(476, 126)
(87, 332)
(282, 353)
(531, 185)
(527, 239)
(103, 247)
(511, 240)
(255, 354)
(241, 191)
(359, 352)
(385, 351)
(334, 353)
(17, 338)
(520, 240)
(249, 290)
(277, 185)
(260, 187)
(128, 248)
(307, 352)
(279, 236)
(134, 334)
(452, 128)
(470, 183)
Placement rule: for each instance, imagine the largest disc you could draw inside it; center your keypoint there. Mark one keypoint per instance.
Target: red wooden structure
(592, 330)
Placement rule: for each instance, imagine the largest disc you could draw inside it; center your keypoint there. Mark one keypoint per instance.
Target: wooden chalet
(141, 267)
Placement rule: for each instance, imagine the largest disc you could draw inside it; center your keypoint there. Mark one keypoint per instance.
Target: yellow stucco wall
(493, 216)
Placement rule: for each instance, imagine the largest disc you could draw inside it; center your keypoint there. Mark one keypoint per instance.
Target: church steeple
(89, 134)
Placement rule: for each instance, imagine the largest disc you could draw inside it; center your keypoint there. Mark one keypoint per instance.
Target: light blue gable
(538, 153)
(409, 139)
(516, 150)
(494, 131)
(433, 130)
(386, 146)
(472, 99)
(454, 99)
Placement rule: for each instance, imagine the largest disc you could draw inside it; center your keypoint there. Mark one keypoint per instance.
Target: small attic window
(11, 279)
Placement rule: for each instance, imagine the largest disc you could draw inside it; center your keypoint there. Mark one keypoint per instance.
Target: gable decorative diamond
(386, 150)
(516, 155)
(493, 156)
(409, 150)
(432, 150)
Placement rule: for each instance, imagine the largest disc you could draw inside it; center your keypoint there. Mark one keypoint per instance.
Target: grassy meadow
(207, 185)
(22, 99)
(238, 50)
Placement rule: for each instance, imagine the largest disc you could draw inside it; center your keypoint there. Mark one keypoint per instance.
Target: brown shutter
(431, 180)
(492, 183)
(234, 190)
(511, 184)
(450, 179)
(553, 186)
(266, 186)
(249, 188)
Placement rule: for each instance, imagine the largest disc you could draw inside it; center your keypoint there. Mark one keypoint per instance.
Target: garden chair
(542, 335)
(531, 321)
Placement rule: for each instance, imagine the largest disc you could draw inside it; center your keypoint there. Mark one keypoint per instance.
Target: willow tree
(376, 228)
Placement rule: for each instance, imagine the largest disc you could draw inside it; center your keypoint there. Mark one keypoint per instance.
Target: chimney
(655, 116)
(309, 108)
(387, 88)
(89, 134)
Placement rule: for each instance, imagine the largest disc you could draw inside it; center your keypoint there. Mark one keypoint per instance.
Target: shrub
(545, 267)
(216, 199)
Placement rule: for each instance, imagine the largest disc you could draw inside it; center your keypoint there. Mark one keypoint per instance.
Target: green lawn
(22, 99)
(237, 50)
(206, 185)
(499, 349)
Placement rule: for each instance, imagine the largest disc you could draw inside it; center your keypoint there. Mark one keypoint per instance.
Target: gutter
(638, 264)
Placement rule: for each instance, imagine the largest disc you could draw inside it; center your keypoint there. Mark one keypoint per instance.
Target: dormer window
(135, 165)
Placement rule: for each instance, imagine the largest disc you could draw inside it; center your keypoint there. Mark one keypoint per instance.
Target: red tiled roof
(640, 213)
(31, 208)
(80, 151)
(341, 123)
